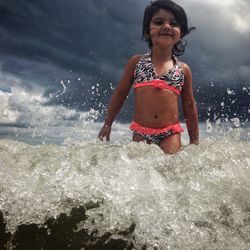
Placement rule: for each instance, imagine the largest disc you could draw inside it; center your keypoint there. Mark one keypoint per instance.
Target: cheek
(153, 30)
(178, 32)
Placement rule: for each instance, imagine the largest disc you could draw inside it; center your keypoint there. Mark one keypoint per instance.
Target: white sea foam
(197, 199)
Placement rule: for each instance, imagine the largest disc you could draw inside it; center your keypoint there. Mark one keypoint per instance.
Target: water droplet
(209, 126)
(236, 121)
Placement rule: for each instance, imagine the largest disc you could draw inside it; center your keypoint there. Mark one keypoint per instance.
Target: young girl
(158, 79)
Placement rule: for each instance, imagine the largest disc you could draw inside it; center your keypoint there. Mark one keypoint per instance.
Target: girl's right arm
(118, 97)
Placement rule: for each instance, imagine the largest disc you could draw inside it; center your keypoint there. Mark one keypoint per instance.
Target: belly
(155, 107)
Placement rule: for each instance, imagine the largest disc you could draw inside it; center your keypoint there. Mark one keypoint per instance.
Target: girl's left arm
(189, 106)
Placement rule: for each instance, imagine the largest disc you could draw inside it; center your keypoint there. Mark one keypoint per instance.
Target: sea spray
(197, 199)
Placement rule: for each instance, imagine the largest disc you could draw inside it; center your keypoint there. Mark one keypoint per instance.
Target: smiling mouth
(165, 34)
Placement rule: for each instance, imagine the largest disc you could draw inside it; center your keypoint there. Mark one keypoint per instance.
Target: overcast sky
(70, 54)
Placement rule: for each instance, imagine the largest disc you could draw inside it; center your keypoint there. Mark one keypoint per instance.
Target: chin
(164, 45)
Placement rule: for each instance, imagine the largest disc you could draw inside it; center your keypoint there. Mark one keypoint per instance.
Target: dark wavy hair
(180, 17)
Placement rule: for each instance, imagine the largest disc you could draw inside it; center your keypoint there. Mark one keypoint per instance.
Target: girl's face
(164, 29)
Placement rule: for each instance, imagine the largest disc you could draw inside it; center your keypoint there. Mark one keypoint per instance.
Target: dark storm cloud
(221, 40)
(73, 50)
(43, 42)
(76, 34)
(218, 55)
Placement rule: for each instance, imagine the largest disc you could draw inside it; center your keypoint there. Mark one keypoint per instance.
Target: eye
(158, 22)
(174, 23)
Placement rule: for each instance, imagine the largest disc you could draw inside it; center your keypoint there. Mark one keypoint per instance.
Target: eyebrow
(157, 17)
(162, 18)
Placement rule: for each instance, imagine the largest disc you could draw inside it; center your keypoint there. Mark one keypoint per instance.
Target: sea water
(196, 199)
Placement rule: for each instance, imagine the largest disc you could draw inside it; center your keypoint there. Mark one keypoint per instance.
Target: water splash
(197, 199)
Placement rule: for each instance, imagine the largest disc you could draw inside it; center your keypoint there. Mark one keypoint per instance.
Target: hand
(105, 132)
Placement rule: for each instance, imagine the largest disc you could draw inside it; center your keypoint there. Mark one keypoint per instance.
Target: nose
(166, 26)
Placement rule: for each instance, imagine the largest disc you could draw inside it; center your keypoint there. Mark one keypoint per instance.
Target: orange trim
(136, 127)
(157, 84)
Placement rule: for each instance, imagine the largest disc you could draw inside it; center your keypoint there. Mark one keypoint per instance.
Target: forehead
(162, 13)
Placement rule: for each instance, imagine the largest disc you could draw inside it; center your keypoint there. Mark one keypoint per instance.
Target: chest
(145, 70)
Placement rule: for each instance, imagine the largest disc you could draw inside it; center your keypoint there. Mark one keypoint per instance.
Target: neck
(162, 54)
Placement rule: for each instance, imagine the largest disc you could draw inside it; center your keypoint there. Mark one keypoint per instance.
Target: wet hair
(180, 17)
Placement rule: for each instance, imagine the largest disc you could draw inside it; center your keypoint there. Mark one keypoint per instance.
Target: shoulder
(131, 64)
(186, 69)
(134, 60)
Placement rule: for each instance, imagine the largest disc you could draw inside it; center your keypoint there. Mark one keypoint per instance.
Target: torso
(156, 98)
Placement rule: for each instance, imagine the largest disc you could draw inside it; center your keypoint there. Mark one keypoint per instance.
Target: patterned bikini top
(145, 75)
